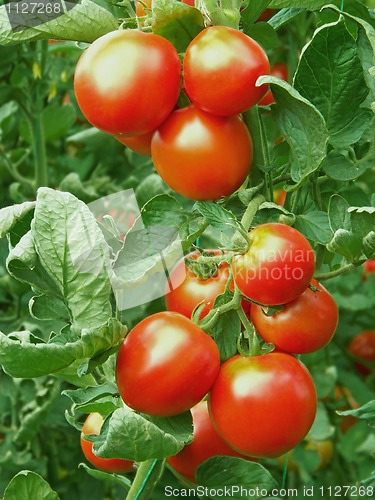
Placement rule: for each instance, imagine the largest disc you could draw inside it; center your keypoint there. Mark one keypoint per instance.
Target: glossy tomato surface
(127, 82)
(206, 443)
(278, 266)
(304, 325)
(92, 425)
(166, 365)
(263, 406)
(201, 156)
(362, 346)
(221, 66)
(189, 290)
(280, 70)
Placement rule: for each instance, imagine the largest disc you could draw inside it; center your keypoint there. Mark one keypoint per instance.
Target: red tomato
(266, 15)
(140, 143)
(279, 70)
(221, 67)
(189, 290)
(362, 346)
(166, 365)
(201, 156)
(368, 268)
(93, 425)
(206, 443)
(278, 266)
(304, 325)
(263, 406)
(189, 2)
(127, 82)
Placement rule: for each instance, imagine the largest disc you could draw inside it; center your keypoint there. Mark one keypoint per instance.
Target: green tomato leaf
(346, 243)
(132, 436)
(227, 330)
(57, 120)
(23, 355)
(251, 13)
(177, 22)
(307, 4)
(82, 396)
(341, 168)
(315, 226)
(365, 412)
(73, 251)
(264, 34)
(48, 308)
(85, 22)
(338, 214)
(27, 485)
(230, 472)
(302, 126)
(9, 216)
(322, 427)
(108, 477)
(334, 82)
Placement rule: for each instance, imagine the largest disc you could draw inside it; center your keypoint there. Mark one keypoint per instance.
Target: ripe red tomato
(139, 143)
(278, 266)
(363, 347)
(279, 70)
(127, 82)
(304, 325)
(221, 66)
(206, 443)
(166, 365)
(263, 406)
(189, 290)
(202, 156)
(140, 8)
(92, 425)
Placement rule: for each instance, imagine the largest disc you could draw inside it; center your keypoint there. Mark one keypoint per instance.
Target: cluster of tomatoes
(257, 406)
(128, 82)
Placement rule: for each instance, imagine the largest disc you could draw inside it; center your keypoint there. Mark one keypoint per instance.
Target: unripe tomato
(304, 325)
(362, 346)
(278, 266)
(263, 406)
(221, 66)
(279, 70)
(323, 448)
(127, 82)
(202, 156)
(189, 290)
(206, 443)
(92, 425)
(166, 365)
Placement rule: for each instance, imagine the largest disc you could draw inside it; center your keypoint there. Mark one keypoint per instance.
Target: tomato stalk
(253, 348)
(148, 474)
(337, 272)
(211, 318)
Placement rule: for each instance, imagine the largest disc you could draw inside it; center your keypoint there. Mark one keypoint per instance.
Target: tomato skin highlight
(166, 365)
(221, 66)
(263, 406)
(110, 82)
(362, 346)
(202, 156)
(92, 425)
(304, 325)
(192, 290)
(206, 443)
(278, 266)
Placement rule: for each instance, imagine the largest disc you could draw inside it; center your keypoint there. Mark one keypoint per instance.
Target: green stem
(254, 347)
(341, 270)
(212, 316)
(12, 168)
(39, 149)
(251, 210)
(146, 478)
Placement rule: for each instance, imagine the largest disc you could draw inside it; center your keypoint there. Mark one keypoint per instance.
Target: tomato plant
(213, 153)
(206, 443)
(221, 66)
(304, 325)
(263, 406)
(106, 89)
(162, 354)
(280, 70)
(92, 425)
(362, 346)
(281, 257)
(194, 284)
